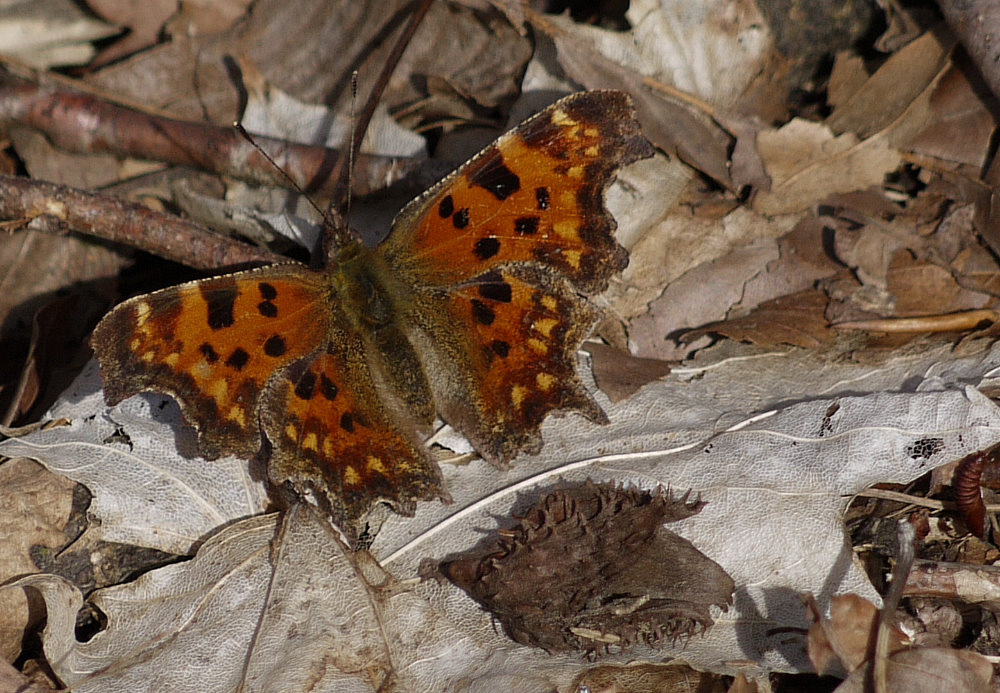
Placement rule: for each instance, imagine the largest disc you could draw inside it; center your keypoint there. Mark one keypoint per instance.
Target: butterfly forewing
(213, 344)
(534, 196)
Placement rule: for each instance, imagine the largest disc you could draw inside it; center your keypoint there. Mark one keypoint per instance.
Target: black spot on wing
(482, 313)
(238, 359)
(210, 354)
(220, 301)
(347, 422)
(461, 219)
(496, 178)
(267, 291)
(485, 248)
(328, 387)
(500, 348)
(267, 309)
(526, 226)
(447, 207)
(275, 346)
(306, 387)
(496, 291)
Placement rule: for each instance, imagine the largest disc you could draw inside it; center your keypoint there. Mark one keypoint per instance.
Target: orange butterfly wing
(498, 254)
(270, 348)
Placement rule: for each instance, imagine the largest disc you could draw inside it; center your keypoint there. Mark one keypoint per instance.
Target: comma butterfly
(472, 308)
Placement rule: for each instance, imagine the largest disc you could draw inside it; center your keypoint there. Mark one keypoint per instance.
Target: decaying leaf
(591, 567)
(649, 678)
(846, 640)
(796, 319)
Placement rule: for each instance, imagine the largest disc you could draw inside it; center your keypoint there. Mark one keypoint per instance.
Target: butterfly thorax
(374, 303)
(362, 286)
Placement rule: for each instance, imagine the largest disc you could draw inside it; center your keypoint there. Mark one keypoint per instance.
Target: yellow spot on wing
(219, 390)
(291, 432)
(562, 119)
(142, 311)
(545, 325)
(575, 172)
(517, 395)
(573, 258)
(310, 442)
(567, 230)
(550, 302)
(148, 356)
(238, 415)
(351, 476)
(375, 465)
(538, 346)
(545, 381)
(592, 132)
(593, 152)
(172, 359)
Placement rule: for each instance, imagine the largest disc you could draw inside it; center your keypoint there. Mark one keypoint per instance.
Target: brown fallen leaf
(37, 504)
(797, 319)
(957, 104)
(649, 678)
(928, 670)
(144, 22)
(846, 640)
(807, 162)
(620, 375)
(884, 97)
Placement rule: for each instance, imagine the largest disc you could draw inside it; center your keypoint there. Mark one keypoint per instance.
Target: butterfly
(472, 309)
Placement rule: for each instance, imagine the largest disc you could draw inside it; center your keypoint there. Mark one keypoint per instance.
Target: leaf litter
(771, 414)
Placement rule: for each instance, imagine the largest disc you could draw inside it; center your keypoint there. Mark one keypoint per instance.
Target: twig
(80, 122)
(955, 581)
(952, 322)
(337, 234)
(975, 24)
(53, 207)
(933, 504)
(905, 534)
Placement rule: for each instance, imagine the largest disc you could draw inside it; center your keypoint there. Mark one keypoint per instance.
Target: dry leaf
(620, 375)
(846, 640)
(36, 506)
(884, 97)
(668, 433)
(48, 33)
(928, 670)
(797, 319)
(806, 163)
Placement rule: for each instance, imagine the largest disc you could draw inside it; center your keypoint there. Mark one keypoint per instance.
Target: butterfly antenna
(291, 181)
(354, 148)
(340, 172)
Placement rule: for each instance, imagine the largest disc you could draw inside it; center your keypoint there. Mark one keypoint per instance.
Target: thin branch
(79, 122)
(51, 207)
